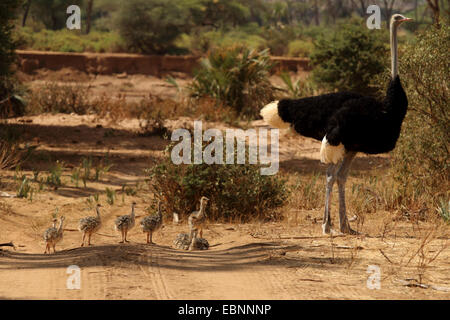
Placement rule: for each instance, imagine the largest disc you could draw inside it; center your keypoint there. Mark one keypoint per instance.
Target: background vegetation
(236, 39)
(421, 161)
(287, 27)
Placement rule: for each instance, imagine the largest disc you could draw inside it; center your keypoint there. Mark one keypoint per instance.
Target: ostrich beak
(406, 19)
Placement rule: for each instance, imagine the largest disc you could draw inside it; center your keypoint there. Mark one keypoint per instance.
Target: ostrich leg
(192, 238)
(342, 174)
(331, 178)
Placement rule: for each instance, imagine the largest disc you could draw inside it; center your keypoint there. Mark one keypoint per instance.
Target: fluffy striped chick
(125, 223)
(152, 223)
(53, 235)
(90, 225)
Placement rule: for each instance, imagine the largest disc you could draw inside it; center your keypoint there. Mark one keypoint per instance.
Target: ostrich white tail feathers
(271, 116)
(329, 153)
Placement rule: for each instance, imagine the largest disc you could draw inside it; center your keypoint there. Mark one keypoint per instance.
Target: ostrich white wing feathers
(331, 154)
(271, 116)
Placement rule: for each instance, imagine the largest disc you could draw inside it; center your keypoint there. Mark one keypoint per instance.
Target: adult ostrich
(346, 123)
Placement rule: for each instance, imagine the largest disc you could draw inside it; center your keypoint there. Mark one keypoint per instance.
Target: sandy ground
(290, 259)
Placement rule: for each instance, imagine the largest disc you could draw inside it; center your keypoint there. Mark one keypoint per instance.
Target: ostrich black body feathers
(360, 123)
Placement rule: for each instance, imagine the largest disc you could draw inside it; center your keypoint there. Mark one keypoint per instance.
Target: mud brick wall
(111, 63)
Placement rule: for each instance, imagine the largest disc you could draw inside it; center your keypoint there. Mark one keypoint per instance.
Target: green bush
(349, 57)
(237, 77)
(298, 89)
(237, 192)
(421, 159)
(151, 26)
(68, 40)
(278, 39)
(7, 47)
(55, 98)
(202, 42)
(300, 48)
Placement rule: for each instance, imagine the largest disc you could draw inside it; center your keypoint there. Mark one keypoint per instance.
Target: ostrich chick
(125, 223)
(90, 225)
(152, 223)
(53, 235)
(197, 221)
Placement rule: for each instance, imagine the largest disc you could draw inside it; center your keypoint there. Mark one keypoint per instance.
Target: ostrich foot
(349, 231)
(326, 229)
(121, 241)
(331, 232)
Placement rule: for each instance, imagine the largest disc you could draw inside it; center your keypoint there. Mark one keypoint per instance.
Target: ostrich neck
(98, 213)
(60, 225)
(394, 50)
(159, 210)
(202, 210)
(132, 212)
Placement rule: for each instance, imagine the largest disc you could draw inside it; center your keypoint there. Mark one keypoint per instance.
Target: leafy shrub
(421, 159)
(349, 57)
(68, 40)
(54, 177)
(237, 77)
(7, 55)
(151, 26)
(52, 13)
(237, 192)
(300, 48)
(110, 196)
(202, 42)
(24, 188)
(53, 97)
(278, 39)
(298, 89)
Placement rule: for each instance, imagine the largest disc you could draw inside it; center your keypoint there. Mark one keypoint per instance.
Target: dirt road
(242, 263)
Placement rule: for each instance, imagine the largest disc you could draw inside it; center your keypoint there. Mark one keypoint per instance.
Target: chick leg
(82, 241)
(122, 231)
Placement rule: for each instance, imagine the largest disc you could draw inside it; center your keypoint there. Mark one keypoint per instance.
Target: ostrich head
(204, 200)
(398, 19)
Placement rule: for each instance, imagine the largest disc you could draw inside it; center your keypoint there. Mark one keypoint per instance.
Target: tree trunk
(25, 14)
(316, 12)
(388, 8)
(416, 4)
(434, 5)
(88, 16)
